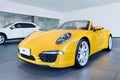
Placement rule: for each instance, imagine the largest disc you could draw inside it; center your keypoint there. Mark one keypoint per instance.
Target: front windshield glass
(75, 25)
(7, 25)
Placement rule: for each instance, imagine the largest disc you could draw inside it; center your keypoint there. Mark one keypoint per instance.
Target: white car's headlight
(64, 38)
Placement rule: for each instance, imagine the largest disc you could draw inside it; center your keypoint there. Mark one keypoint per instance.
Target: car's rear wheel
(109, 43)
(82, 53)
(2, 39)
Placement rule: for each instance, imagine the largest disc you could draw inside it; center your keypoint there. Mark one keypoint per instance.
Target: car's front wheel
(2, 39)
(82, 53)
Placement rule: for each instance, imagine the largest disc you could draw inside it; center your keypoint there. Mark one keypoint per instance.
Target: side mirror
(98, 28)
(12, 27)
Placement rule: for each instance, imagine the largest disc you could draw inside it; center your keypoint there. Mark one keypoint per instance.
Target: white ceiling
(65, 5)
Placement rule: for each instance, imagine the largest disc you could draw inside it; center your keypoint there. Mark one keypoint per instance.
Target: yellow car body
(39, 42)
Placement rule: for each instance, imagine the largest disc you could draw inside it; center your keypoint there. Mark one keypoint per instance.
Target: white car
(17, 30)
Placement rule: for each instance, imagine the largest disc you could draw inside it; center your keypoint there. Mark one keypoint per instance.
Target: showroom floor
(102, 66)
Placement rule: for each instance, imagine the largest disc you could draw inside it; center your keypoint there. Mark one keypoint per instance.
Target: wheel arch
(87, 39)
(3, 34)
(107, 33)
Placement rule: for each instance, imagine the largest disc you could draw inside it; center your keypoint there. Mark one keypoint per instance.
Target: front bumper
(59, 62)
(62, 60)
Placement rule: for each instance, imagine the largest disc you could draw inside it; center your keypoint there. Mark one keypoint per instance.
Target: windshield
(7, 25)
(75, 25)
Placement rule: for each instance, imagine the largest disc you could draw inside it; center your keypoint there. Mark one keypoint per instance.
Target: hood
(48, 37)
(52, 35)
(3, 29)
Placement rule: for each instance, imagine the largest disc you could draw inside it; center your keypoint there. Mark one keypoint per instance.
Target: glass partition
(47, 23)
(44, 23)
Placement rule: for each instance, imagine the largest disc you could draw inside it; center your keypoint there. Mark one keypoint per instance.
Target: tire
(82, 53)
(2, 39)
(109, 43)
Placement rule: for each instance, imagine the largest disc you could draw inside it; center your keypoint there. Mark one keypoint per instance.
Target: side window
(24, 25)
(82, 25)
(18, 25)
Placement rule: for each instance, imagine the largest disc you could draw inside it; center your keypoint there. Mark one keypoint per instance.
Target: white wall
(107, 16)
(12, 7)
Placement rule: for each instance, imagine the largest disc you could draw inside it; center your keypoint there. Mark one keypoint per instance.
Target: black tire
(2, 39)
(82, 53)
(109, 43)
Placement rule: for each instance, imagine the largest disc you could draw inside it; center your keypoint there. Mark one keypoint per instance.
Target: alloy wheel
(83, 53)
(2, 39)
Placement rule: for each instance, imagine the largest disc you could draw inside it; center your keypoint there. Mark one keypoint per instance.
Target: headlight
(64, 38)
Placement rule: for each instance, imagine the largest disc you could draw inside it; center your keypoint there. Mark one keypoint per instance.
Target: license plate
(25, 51)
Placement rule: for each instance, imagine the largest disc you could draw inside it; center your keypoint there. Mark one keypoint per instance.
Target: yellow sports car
(70, 44)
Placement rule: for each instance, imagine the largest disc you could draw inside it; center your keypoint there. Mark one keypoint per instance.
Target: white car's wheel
(2, 39)
(82, 54)
(109, 43)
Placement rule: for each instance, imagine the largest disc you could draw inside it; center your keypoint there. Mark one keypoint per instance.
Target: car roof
(23, 22)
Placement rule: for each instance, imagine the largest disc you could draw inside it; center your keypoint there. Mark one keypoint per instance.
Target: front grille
(28, 57)
(48, 57)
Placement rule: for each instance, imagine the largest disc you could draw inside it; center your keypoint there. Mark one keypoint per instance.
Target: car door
(27, 28)
(13, 32)
(98, 40)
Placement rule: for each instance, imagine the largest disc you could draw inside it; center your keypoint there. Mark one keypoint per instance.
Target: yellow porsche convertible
(70, 44)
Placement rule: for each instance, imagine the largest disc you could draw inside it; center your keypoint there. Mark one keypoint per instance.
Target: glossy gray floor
(102, 66)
